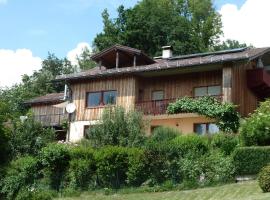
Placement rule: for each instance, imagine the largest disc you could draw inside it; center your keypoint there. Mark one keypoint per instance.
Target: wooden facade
(48, 115)
(178, 85)
(125, 87)
(242, 96)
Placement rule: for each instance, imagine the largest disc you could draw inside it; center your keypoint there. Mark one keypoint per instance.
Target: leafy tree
(188, 25)
(84, 60)
(37, 84)
(230, 44)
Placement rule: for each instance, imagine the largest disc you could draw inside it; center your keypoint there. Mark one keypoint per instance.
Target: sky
(29, 29)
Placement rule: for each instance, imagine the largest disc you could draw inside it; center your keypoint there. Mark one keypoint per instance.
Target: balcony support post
(227, 83)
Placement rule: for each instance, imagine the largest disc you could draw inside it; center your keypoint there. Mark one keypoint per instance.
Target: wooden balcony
(258, 81)
(159, 107)
(51, 120)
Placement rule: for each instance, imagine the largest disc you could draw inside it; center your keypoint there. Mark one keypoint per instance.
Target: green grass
(238, 191)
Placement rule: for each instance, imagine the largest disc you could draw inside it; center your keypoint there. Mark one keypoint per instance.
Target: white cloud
(249, 24)
(77, 51)
(14, 64)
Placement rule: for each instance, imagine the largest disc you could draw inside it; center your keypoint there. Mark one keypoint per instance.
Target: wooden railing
(159, 107)
(51, 119)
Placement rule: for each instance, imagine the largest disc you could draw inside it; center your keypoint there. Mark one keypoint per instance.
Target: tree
(37, 84)
(188, 25)
(229, 44)
(84, 60)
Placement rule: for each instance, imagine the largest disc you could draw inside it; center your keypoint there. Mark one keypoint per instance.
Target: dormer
(119, 56)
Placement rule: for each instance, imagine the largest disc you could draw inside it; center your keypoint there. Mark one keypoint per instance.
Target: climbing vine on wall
(225, 113)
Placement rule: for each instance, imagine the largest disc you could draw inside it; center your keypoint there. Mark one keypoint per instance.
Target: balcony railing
(51, 119)
(159, 107)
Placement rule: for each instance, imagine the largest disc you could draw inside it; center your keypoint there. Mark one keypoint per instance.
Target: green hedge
(250, 160)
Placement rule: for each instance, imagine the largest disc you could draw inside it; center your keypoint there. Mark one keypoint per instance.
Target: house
(129, 78)
(49, 110)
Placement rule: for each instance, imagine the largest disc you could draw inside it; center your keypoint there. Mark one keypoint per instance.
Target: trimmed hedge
(250, 160)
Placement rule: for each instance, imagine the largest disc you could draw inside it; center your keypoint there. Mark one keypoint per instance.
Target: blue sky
(57, 25)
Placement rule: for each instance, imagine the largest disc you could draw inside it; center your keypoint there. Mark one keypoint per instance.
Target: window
(101, 98)
(207, 91)
(158, 95)
(205, 128)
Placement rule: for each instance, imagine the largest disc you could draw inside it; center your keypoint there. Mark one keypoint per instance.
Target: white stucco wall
(76, 130)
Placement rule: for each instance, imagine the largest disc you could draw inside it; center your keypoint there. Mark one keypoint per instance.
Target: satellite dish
(70, 108)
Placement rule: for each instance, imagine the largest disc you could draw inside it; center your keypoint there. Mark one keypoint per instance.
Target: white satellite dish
(70, 108)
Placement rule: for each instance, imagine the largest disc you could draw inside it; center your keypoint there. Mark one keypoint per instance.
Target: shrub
(225, 113)
(250, 160)
(192, 143)
(29, 137)
(82, 167)
(255, 130)
(207, 169)
(112, 166)
(137, 169)
(118, 127)
(22, 172)
(225, 142)
(55, 158)
(264, 179)
(26, 194)
(164, 134)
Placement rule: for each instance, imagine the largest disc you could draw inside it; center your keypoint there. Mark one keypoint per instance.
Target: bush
(137, 170)
(27, 194)
(28, 137)
(22, 172)
(226, 143)
(264, 179)
(55, 158)
(82, 167)
(250, 160)
(186, 144)
(206, 170)
(112, 166)
(164, 134)
(119, 128)
(255, 130)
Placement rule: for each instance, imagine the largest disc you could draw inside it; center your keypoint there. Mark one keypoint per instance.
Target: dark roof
(47, 99)
(174, 63)
(126, 55)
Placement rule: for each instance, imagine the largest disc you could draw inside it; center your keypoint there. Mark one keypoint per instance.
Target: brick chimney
(167, 52)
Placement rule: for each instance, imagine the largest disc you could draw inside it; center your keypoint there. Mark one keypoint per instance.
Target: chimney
(167, 52)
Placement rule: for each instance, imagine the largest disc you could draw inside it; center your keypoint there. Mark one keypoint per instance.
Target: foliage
(34, 195)
(137, 169)
(229, 44)
(112, 165)
(250, 160)
(189, 26)
(82, 167)
(29, 136)
(164, 134)
(255, 130)
(264, 179)
(186, 144)
(84, 60)
(225, 113)
(225, 142)
(21, 173)
(55, 158)
(118, 127)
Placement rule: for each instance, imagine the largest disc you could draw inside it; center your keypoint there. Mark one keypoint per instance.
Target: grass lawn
(238, 191)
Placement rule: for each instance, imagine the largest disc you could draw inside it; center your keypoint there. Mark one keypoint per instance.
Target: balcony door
(158, 102)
